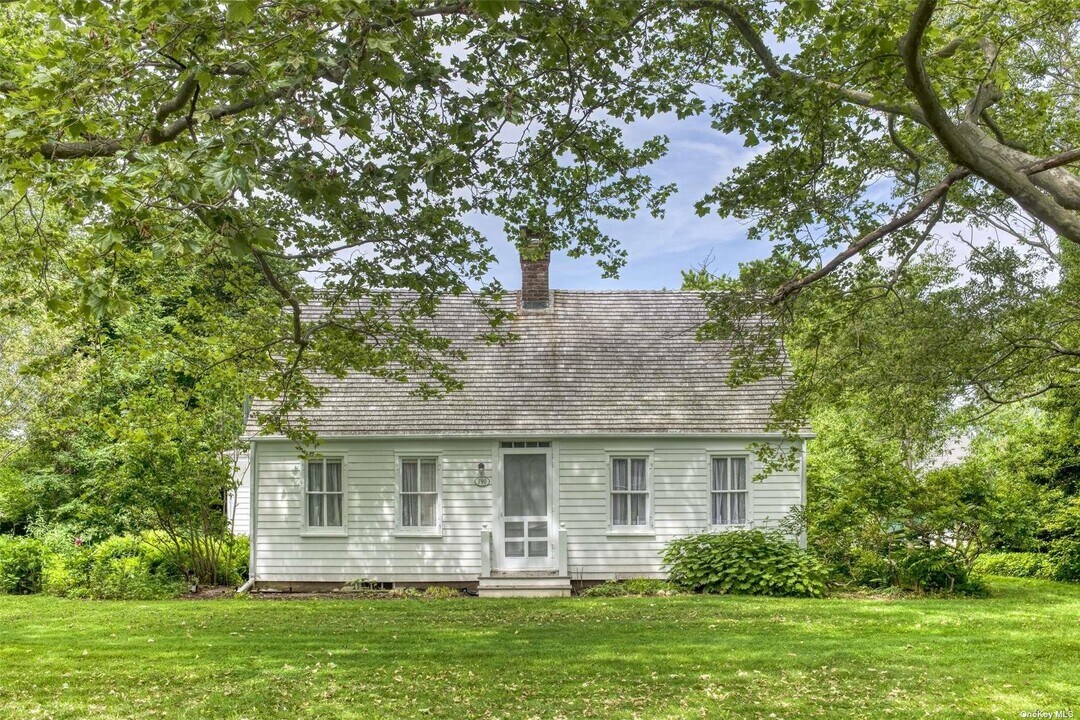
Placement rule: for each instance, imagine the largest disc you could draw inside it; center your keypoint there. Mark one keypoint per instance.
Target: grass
(681, 657)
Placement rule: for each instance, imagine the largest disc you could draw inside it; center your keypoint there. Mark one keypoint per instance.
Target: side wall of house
(238, 502)
(369, 546)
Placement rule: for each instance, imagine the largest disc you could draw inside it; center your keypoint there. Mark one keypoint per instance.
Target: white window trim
(404, 531)
(749, 492)
(648, 529)
(323, 530)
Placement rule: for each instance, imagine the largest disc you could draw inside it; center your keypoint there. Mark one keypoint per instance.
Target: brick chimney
(535, 259)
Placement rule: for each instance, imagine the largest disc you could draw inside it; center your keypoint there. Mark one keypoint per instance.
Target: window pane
(427, 510)
(333, 476)
(714, 513)
(739, 509)
(639, 509)
(515, 529)
(525, 485)
(637, 474)
(515, 548)
(719, 474)
(427, 476)
(538, 529)
(409, 482)
(738, 473)
(314, 475)
(538, 548)
(315, 511)
(410, 510)
(618, 474)
(620, 511)
(333, 510)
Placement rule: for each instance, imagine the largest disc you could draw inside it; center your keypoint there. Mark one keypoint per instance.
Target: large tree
(336, 145)
(347, 145)
(917, 181)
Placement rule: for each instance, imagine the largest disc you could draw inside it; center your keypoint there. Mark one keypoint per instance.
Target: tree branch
(932, 196)
(753, 40)
(964, 150)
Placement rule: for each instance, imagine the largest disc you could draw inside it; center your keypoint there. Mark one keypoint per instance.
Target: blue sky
(698, 158)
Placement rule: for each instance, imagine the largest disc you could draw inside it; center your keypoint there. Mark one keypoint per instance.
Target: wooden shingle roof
(595, 363)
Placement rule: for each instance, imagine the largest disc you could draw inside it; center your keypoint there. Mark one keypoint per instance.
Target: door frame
(499, 559)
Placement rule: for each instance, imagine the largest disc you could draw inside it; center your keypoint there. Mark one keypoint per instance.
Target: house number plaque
(482, 480)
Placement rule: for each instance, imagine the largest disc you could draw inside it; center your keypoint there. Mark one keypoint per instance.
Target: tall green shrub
(747, 562)
(22, 560)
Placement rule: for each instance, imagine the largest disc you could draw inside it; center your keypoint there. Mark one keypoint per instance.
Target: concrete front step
(524, 586)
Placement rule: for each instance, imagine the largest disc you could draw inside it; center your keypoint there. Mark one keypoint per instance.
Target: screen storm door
(523, 511)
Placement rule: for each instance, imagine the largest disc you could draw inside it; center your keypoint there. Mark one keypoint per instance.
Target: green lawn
(681, 657)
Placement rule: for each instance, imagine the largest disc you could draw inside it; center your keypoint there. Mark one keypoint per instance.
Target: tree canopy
(907, 151)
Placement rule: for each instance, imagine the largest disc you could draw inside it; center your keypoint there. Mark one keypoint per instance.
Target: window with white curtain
(325, 494)
(419, 493)
(630, 492)
(729, 492)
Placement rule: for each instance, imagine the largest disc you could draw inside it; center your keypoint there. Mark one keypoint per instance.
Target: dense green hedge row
(120, 567)
(1062, 565)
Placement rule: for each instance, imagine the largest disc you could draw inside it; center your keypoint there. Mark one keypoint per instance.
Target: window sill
(725, 528)
(434, 533)
(629, 532)
(336, 533)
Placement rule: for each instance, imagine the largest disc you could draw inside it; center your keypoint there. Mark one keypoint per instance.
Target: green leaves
(493, 9)
(241, 11)
(750, 562)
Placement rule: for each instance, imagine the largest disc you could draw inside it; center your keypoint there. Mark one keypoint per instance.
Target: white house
(575, 453)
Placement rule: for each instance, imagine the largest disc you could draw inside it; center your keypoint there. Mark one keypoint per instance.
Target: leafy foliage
(1013, 564)
(924, 568)
(335, 152)
(903, 264)
(128, 567)
(750, 562)
(22, 560)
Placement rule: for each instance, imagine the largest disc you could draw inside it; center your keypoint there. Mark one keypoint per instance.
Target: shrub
(119, 567)
(1064, 559)
(22, 561)
(232, 555)
(934, 569)
(1013, 564)
(636, 587)
(750, 562)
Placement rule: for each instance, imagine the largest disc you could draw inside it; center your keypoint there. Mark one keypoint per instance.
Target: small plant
(635, 587)
(441, 592)
(747, 562)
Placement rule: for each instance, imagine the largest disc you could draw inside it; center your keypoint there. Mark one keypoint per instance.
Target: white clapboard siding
(370, 549)
(238, 501)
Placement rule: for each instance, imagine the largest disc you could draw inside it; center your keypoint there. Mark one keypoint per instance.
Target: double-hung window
(325, 494)
(630, 493)
(418, 504)
(728, 495)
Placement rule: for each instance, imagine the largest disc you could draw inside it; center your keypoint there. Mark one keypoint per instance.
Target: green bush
(1013, 564)
(747, 562)
(22, 561)
(635, 587)
(118, 568)
(232, 559)
(930, 569)
(1064, 559)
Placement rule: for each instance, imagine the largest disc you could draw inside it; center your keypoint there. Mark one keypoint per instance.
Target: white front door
(523, 528)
